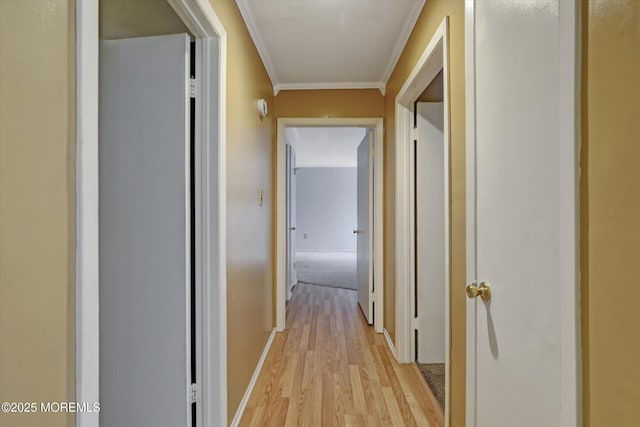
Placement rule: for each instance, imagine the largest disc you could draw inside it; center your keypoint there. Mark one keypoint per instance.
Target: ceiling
(330, 44)
(325, 146)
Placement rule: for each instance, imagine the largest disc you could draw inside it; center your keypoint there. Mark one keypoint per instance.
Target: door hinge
(414, 323)
(193, 393)
(193, 88)
(413, 134)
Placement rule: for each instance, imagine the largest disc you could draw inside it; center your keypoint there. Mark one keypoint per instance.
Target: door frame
(569, 100)
(202, 21)
(281, 206)
(434, 58)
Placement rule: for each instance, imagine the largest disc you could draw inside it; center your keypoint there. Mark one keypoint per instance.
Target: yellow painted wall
(138, 18)
(429, 20)
(329, 103)
(611, 212)
(250, 166)
(37, 223)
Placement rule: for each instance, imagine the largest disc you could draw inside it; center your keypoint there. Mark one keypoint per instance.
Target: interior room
(324, 206)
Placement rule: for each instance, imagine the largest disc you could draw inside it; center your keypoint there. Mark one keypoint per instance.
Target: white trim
(402, 41)
(434, 58)
(87, 243)
(202, 21)
(470, 153)
(569, 221)
(252, 383)
(328, 86)
(281, 258)
(423, 72)
(247, 15)
(403, 232)
(390, 343)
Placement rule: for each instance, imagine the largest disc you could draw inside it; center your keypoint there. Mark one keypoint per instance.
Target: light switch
(260, 197)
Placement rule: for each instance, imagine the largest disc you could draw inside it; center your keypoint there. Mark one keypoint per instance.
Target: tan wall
(250, 160)
(611, 213)
(329, 103)
(138, 18)
(429, 20)
(37, 252)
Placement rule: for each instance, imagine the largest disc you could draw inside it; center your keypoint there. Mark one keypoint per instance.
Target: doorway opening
(329, 211)
(428, 293)
(423, 218)
(328, 177)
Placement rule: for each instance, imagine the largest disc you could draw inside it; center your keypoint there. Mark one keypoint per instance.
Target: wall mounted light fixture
(262, 107)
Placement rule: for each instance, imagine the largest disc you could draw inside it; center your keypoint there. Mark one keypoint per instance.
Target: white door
(363, 231)
(430, 232)
(144, 232)
(521, 240)
(292, 276)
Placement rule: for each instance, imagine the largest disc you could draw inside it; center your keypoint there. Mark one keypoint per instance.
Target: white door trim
(470, 153)
(87, 243)
(434, 58)
(569, 101)
(281, 206)
(202, 21)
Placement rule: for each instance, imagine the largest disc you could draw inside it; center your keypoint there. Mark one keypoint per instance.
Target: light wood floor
(329, 368)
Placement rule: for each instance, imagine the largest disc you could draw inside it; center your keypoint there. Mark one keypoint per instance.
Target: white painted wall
(430, 224)
(326, 209)
(325, 147)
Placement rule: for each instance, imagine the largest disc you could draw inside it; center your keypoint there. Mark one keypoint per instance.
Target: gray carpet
(433, 373)
(335, 269)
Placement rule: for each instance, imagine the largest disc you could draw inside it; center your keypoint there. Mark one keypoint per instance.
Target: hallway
(330, 368)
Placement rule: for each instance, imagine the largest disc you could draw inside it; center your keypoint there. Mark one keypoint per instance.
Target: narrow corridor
(329, 368)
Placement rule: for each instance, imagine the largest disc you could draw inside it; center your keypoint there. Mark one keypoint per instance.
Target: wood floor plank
(392, 406)
(358, 393)
(329, 368)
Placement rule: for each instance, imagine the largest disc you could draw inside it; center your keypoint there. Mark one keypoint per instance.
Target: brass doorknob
(484, 291)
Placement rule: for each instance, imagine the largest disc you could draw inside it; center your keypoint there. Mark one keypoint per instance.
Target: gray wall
(326, 209)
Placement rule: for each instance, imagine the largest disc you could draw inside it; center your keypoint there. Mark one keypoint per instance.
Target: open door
(292, 276)
(430, 233)
(521, 241)
(364, 230)
(145, 259)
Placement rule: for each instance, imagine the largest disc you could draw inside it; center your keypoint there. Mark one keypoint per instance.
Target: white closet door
(364, 215)
(144, 232)
(524, 221)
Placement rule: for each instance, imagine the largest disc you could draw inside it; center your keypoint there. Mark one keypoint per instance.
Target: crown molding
(329, 85)
(402, 41)
(247, 15)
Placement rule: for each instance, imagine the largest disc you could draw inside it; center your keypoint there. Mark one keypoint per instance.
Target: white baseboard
(247, 394)
(390, 343)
